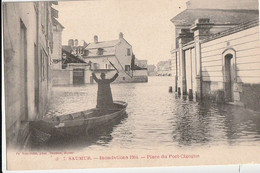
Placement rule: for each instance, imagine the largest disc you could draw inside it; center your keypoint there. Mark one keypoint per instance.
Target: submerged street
(155, 118)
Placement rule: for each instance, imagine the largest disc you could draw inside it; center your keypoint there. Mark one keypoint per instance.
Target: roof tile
(216, 16)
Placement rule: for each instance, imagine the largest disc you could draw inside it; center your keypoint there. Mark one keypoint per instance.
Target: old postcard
(130, 83)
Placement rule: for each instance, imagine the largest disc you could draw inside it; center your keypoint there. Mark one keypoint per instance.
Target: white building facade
(119, 52)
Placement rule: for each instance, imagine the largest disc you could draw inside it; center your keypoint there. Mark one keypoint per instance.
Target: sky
(145, 24)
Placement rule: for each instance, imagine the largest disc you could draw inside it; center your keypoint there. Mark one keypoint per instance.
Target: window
(86, 52)
(44, 65)
(100, 51)
(24, 67)
(36, 79)
(127, 67)
(123, 78)
(96, 66)
(128, 52)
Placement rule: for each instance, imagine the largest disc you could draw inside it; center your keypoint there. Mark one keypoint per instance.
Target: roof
(54, 13)
(238, 28)
(216, 16)
(67, 48)
(102, 44)
(55, 22)
(72, 58)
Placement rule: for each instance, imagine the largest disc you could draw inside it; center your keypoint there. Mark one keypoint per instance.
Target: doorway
(229, 77)
(78, 76)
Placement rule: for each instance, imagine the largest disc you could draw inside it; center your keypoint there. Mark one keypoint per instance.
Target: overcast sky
(145, 24)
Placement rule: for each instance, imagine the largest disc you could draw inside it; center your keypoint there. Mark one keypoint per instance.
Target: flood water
(156, 118)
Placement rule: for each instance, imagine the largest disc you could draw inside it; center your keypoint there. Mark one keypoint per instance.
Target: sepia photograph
(130, 83)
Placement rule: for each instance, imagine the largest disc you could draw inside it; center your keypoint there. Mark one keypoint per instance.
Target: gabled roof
(216, 16)
(102, 44)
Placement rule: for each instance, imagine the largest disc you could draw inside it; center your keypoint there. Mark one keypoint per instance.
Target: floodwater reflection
(157, 119)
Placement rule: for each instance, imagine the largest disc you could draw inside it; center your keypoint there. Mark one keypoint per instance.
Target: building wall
(65, 76)
(191, 70)
(245, 48)
(61, 77)
(141, 63)
(57, 47)
(137, 76)
(20, 69)
(121, 55)
(246, 45)
(45, 37)
(120, 60)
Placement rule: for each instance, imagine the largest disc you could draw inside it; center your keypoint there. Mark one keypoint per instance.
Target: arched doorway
(229, 75)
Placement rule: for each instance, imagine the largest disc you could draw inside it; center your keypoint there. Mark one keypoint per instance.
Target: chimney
(95, 39)
(76, 42)
(71, 42)
(121, 35)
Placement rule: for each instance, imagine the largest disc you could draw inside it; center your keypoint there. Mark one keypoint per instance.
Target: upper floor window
(86, 52)
(100, 51)
(127, 67)
(109, 66)
(128, 52)
(96, 66)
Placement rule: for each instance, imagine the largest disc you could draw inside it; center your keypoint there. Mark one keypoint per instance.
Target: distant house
(141, 63)
(217, 52)
(151, 70)
(164, 68)
(119, 52)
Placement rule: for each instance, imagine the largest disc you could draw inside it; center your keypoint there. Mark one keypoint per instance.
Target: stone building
(28, 48)
(119, 52)
(217, 52)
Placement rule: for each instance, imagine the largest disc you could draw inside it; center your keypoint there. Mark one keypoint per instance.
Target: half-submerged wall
(231, 66)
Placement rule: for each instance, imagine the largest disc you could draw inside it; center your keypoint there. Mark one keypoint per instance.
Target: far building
(100, 54)
(151, 70)
(72, 69)
(141, 63)
(164, 68)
